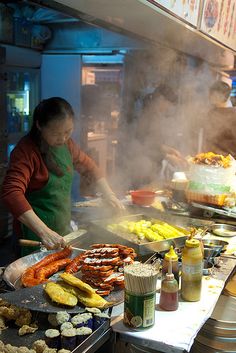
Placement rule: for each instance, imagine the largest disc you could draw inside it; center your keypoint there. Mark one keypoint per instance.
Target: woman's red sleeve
(18, 177)
(82, 162)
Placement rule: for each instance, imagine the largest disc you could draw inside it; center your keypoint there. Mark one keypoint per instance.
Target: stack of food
(102, 267)
(212, 179)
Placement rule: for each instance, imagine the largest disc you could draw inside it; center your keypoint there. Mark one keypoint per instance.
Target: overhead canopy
(149, 22)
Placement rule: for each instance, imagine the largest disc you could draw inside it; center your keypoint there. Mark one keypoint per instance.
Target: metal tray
(209, 211)
(97, 338)
(13, 272)
(144, 248)
(34, 298)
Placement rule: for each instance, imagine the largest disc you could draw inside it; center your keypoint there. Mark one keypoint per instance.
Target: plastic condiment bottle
(169, 291)
(171, 255)
(191, 277)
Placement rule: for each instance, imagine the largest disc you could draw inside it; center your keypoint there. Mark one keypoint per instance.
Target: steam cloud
(181, 126)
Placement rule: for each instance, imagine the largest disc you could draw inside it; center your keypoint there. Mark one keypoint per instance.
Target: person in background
(155, 130)
(220, 123)
(37, 186)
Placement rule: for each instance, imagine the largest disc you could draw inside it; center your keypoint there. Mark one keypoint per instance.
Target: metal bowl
(217, 245)
(210, 252)
(224, 230)
(207, 267)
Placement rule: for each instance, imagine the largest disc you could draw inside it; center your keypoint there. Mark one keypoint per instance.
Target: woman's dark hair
(162, 90)
(222, 88)
(51, 109)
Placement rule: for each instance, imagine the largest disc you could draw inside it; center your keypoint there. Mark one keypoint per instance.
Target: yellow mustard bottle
(173, 257)
(191, 276)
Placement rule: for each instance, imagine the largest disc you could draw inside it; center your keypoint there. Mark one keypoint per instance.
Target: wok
(13, 272)
(34, 298)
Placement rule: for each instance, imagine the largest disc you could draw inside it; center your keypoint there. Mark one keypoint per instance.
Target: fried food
(25, 329)
(76, 282)
(210, 158)
(24, 317)
(90, 300)
(39, 346)
(102, 266)
(59, 295)
(2, 324)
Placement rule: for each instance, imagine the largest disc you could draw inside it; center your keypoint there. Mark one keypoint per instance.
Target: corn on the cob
(150, 235)
(154, 230)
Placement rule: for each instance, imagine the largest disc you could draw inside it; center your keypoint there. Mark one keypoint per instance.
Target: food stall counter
(174, 331)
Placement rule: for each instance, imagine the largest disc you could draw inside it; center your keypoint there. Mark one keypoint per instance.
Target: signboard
(219, 21)
(185, 9)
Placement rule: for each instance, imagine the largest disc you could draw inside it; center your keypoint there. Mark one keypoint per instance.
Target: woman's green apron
(52, 203)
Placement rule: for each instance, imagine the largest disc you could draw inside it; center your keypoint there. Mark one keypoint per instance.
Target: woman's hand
(108, 195)
(49, 238)
(113, 201)
(174, 157)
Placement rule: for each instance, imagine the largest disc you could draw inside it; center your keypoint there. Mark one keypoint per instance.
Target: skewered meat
(75, 265)
(102, 267)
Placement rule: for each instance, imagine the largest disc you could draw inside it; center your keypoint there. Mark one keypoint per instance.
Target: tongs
(154, 260)
(69, 239)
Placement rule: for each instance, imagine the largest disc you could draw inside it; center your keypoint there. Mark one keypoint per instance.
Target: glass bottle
(191, 277)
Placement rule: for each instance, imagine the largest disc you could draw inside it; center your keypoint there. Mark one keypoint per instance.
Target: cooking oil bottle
(173, 257)
(192, 265)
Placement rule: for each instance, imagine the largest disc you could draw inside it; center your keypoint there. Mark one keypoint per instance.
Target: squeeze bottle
(191, 277)
(173, 257)
(169, 291)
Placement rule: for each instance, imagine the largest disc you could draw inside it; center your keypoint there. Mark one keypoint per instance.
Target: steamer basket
(218, 334)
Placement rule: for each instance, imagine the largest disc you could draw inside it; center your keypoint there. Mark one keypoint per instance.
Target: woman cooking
(37, 185)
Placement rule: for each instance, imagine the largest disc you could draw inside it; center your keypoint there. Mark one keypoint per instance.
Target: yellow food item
(151, 235)
(90, 300)
(59, 295)
(210, 158)
(76, 282)
(155, 230)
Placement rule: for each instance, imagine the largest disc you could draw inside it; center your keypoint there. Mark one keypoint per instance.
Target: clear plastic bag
(211, 180)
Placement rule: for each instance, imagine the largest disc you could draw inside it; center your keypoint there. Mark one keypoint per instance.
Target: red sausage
(28, 279)
(53, 257)
(44, 272)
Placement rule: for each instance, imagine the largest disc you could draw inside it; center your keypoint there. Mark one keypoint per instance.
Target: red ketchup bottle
(169, 291)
